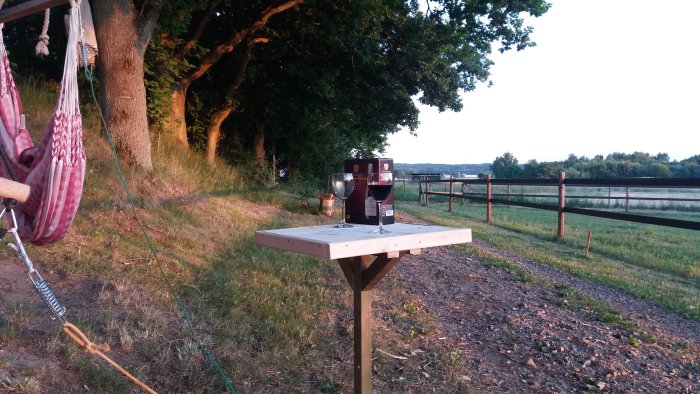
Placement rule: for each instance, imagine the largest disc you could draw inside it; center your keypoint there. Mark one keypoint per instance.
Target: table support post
(362, 329)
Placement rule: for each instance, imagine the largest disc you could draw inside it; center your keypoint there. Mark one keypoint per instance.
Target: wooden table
(365, 259)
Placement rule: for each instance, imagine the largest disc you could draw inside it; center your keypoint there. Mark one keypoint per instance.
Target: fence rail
(491, 198)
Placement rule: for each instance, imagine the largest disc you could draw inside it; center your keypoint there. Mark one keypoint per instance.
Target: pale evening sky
(606, 76)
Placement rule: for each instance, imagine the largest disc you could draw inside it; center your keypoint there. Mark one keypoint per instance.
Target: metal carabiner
(40, 284)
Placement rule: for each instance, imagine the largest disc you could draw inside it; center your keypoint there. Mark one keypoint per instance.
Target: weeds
(519, 273)
(577, 300)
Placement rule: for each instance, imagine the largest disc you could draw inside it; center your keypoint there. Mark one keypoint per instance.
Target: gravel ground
(517, 336)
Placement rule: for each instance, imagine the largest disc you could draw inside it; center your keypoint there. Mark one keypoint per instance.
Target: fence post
(420, 190)
(451, 178)
(488, 198)
(562, 191)
(509, 196)
(427, 190)
(461, 200)
(627, 199)
(404, 184)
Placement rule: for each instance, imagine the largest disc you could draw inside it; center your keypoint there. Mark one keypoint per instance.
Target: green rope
(152, 248)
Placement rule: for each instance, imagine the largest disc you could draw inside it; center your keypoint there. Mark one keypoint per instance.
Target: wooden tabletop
(335, 243)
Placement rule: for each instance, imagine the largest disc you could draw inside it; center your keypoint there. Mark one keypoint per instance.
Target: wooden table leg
(363, 330)
(363, 274)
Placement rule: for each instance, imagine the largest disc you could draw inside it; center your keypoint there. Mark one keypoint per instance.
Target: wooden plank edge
(28, 8)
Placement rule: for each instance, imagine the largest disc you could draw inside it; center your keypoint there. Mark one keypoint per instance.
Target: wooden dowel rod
(27, 8)
(15, 190)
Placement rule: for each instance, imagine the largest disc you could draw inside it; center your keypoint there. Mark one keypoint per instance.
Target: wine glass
(343, 185)
(379, 186)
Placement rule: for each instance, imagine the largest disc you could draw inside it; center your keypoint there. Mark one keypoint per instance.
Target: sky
(606, 76)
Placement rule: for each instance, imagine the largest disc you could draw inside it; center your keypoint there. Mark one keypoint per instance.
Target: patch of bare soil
(521, 337)
(524, 336)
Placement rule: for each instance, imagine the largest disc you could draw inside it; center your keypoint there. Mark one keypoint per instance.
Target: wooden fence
(491, 198)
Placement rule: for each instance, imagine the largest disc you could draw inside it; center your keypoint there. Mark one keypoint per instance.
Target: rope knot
(91, 347)
(80, 338)
(42, 47)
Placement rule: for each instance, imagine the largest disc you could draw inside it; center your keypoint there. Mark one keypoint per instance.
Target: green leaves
(336, 77)
(506, 166)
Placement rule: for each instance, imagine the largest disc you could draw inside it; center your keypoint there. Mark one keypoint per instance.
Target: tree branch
(150, 22)
(228, 46)
(271, 11)
(182, 52)
(242, 67)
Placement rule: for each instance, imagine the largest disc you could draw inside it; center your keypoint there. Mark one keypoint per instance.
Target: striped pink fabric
(55, 168)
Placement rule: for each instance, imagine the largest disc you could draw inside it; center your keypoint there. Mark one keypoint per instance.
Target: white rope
(68, 98)
(88, 40)
(3, 53)
(2, 25)
(42, 47)
(87, 43)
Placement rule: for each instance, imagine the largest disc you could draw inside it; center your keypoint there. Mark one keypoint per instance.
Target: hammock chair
(54, 170)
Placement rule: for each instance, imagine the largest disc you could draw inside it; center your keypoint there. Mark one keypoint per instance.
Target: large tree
(337, 77)
(215, 32)
(123, 33)
(382, 54)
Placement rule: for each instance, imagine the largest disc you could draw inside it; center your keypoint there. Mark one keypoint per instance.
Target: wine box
(360, 207)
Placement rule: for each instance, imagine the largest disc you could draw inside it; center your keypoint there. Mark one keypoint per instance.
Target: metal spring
(49, 297)
(85, 52)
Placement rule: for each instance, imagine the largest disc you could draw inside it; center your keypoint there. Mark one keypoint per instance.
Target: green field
(653, 262)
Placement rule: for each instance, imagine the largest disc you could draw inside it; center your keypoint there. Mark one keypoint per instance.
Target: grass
(656, 263)
(577, 300)
(491, 259)
(275, 321)
(255, 309)
(243, 299)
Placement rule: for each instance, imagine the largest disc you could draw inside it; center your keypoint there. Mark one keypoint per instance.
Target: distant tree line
(615, 165)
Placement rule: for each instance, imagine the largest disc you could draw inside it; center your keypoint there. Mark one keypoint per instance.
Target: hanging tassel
(42, 47)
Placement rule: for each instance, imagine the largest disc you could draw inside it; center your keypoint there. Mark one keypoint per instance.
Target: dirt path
(645, 313)
(520, 337)
(524, 336)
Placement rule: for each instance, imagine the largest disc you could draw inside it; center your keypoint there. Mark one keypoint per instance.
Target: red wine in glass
(379, 187)
(379, 192)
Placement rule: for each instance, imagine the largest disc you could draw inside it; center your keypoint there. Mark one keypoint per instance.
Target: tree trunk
(259, 144)
(176, 121)
(214, 131)
(120, 68)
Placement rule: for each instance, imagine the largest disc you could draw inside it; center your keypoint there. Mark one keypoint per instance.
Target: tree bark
(176, 120)
(214, 131)
(122, 46)
(259, 145)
